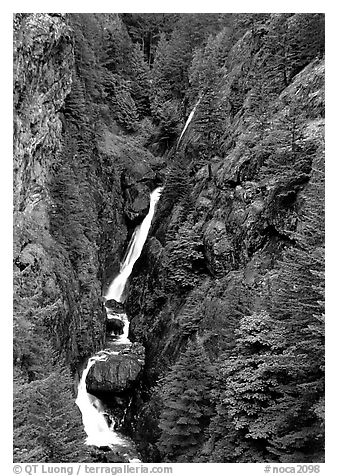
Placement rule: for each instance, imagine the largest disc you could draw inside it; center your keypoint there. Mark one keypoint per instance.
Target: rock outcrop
(219, 250)
(43, 66)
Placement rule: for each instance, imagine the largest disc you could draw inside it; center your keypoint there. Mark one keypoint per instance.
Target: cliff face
(245, 216)
(79, 189)
(43, 65)
(208, 266)
(45, 271)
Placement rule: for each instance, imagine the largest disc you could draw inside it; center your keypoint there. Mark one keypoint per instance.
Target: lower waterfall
(99, 432)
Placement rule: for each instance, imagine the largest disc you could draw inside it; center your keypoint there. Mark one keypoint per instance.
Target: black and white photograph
(168, 240)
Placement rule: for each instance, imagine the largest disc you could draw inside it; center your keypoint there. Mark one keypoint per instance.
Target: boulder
(137, 201)
(115, 325)
(118, 373)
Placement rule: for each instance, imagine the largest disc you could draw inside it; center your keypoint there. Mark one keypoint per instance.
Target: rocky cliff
(80, 188)
(243, 219)
(43, 66)
(217, 256)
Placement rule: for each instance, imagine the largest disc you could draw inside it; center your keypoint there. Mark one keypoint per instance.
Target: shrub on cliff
(183, 259)
(126, 110)
(208, 123)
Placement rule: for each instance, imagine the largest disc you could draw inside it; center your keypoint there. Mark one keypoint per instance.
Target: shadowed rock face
(137, 204)
(114, 306)
(118, 373)
(115, 325)
(141, 172)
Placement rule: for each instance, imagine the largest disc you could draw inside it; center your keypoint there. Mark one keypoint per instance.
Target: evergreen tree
(192, 312)
(88, 38)
(240, 23)
(207, 63)
(117, 49)
(185, 392)
(146, 28)
(197, 72)
(306, 40)
(47, 423)
(274, 54)
(208, 123)
(140, 88)
(183, 258)
(169, 120)
(290, 154)
(159, 88)
(179, 58)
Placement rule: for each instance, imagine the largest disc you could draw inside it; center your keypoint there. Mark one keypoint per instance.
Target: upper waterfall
(115, 290)
(191, 115)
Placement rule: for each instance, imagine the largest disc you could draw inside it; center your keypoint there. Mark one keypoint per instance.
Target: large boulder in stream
(114, 325)
(119, 372)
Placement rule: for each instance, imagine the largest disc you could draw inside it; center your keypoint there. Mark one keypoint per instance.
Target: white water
(191, 115)
(95, 425)
(99, 433)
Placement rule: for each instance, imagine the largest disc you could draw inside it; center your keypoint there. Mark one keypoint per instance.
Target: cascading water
(115, 290)
(191, 115)
(99, 432)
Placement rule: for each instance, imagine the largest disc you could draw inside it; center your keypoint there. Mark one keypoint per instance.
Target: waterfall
(191, 115)
(99, 433)
(115, 290)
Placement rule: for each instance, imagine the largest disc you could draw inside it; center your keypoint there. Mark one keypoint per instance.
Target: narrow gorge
(169, 237)
(119, 365)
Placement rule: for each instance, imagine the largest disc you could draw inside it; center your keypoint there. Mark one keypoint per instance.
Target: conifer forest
(168, 237)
